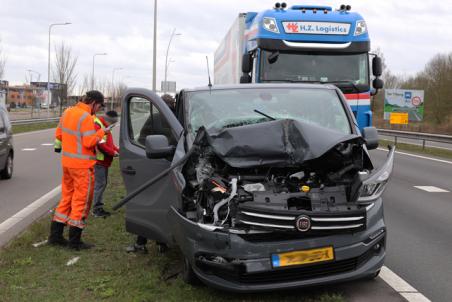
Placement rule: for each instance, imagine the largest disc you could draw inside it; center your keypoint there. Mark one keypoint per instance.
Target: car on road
(261, 186)
(6, 145)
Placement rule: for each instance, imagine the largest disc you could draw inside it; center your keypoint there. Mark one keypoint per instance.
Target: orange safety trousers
(76, 196)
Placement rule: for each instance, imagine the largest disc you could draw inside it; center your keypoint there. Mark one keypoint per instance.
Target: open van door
(145, 115)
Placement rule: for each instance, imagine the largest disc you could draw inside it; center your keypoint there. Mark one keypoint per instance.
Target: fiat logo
(303, 223)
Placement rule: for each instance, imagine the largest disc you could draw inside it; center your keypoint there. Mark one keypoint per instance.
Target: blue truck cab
(303, 43)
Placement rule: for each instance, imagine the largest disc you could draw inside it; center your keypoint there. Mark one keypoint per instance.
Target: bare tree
(64, 70)
(2, 61)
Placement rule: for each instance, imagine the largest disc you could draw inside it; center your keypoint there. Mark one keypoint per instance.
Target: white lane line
(419, 156)
(401, 286)
(47, 144)
(431, 189)
(19, 216)
(28, 149)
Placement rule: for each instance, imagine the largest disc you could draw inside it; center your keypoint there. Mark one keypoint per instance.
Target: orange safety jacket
(78, 137)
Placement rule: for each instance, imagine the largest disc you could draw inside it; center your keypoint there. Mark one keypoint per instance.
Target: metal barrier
(430, 137)
(35, 120)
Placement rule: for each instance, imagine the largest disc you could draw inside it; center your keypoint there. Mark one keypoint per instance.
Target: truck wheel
(7, 172)
(188, 275)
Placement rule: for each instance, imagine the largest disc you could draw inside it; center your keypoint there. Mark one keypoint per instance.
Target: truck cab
(303, 43)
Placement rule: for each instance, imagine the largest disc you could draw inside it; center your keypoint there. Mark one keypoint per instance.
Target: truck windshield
(297, 67)
(237, 107)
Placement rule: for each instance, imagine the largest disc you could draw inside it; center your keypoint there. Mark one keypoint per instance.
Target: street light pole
(154, 58)
(166, 59)
(113, 85)
(48, 66)
(92, 75)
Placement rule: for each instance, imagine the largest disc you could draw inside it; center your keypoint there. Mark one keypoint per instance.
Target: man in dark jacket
(106, 151)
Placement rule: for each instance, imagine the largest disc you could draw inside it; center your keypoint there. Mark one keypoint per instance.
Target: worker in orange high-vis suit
(77, 137)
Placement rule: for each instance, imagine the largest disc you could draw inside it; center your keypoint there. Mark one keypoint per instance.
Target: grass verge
(437, 152)
(33, 127)
(108, 273)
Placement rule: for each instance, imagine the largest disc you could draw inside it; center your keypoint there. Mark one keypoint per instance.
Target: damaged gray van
(262, 187)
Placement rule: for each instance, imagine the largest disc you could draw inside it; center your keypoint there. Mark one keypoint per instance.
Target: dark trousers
(101, 177)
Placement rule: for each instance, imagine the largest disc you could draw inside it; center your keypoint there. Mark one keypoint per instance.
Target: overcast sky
(409, 32)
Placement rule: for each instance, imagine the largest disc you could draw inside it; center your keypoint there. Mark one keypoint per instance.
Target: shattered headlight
(360, 28)
(373, 186)
(270, 25)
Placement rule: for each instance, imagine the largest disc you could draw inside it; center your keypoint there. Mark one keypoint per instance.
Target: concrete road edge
(19, 222)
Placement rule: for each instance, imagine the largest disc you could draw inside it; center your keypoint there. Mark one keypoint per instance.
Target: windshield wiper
(266, 115)
(350, 82)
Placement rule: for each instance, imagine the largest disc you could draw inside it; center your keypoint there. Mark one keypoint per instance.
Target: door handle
(129, 170)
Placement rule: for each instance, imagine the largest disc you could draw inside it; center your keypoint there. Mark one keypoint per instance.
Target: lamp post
(173, 33)
(92, 78)
(154, 55)
(113, 85)
(48, 65)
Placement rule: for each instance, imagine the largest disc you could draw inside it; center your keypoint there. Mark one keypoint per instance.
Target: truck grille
(321, 222)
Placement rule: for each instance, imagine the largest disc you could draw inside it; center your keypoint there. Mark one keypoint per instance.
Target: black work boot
(56, 234)
(75, 241)
(100, 212)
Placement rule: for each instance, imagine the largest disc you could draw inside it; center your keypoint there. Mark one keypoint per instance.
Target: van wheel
(188, 275)
(7, 172)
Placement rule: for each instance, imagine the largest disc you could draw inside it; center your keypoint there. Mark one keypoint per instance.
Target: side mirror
(157, 146)
(244, 79)
(377, 67)
(370, 135)
(247, 63)
(377, 83)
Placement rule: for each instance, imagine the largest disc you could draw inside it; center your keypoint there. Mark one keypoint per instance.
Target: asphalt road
(419, 224)
(36, 172)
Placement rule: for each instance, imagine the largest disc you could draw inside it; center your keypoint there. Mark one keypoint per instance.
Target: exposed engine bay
(272, 197)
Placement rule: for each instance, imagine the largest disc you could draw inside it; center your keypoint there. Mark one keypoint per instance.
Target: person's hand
(108, 129)
(116, 154)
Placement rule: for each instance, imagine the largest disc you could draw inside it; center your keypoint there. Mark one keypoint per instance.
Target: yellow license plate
(303, 257)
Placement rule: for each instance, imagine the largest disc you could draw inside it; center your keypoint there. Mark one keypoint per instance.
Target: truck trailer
(302, 44)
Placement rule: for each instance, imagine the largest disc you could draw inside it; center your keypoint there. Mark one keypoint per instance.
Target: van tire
(7, 171)
(188, 275)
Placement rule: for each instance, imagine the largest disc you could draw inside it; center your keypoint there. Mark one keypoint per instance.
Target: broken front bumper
(233, 262)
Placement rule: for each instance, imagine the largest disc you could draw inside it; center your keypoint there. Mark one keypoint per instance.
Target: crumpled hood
(279, 143)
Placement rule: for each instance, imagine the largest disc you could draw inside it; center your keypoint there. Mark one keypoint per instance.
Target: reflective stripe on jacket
(78, 137)
(99, 154)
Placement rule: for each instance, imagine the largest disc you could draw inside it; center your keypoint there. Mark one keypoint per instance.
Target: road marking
(28, 149)
(73, 261)
(401, 286)
(47, 144)
(419, 156)
(431, 189)
(22, 214)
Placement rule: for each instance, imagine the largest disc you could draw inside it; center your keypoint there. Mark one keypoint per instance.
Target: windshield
(298, 67)
(237, 107)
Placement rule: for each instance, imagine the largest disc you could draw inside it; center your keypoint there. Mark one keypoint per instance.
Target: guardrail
(429, 137)
(34, 121)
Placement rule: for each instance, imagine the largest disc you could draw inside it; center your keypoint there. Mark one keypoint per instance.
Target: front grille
(321, 222)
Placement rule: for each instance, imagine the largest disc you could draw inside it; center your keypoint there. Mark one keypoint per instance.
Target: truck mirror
(244, 79)
(370, 135)
(377, 68)
(157, 146)
(377, 83)
(247, 63)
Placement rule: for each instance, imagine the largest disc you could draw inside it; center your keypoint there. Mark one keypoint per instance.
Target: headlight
(270, 25)
(360, 28)
(375, 184)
